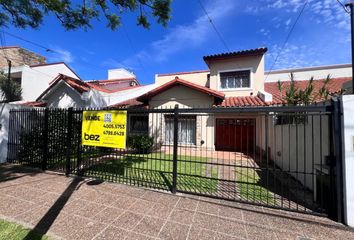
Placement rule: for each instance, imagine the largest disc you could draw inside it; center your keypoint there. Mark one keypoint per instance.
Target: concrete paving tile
(168, 199)
(128, 220)
(255, 218)
(172, 230)
(137, 236)
(112, 233)
(149, 226)
(221, 236)
(124, 202)
(280, 222)
(141, 206)
(207, 207)
(106, 199)
(135, 192)
(108, 215)
(229, 212)
(290, 236)
(34, 216)
(231, 227)
(49, 198)
(187, 203)
(198, 233)
(89, 209)
(203, 220)
(88, 230)
(151, 196)
(182, 216)
(259, 233)
(160, 211)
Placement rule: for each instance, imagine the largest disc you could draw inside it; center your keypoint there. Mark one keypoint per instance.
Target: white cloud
(183, 37)
(292, 56)
(61, 55)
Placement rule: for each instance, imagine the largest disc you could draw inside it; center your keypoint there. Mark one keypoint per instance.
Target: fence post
(45, 139)
(68, 140)
(336, 165)
(175, 149)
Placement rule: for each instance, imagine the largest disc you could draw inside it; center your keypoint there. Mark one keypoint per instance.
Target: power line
(287, 38)
(343, 6)
(31, 42)
(133, 48)
(214, 27)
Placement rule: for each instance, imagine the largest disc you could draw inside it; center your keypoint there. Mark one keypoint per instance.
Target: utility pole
(351, 7)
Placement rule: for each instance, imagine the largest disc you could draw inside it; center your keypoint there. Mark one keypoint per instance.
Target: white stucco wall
(34, 80)
(336, 71)
(4, 130)
(348, 158)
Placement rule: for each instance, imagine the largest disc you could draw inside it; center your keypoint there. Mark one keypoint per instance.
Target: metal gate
(286, 157)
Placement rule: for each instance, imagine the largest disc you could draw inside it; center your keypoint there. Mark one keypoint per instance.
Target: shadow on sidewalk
(48, 219)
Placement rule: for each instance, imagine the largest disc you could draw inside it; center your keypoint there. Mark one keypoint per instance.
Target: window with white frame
(186, 129)
(235, 79)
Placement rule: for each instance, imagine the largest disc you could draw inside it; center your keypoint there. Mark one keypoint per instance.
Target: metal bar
(45, 140)
(337, 130)
(68, 140)
(175, 149)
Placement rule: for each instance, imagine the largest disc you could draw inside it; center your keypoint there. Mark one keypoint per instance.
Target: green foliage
(296, 96)
(10, 90)
(14, 231)
(79, 14)
(140, 143)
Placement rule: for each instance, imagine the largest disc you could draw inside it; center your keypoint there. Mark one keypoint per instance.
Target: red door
(235, 135)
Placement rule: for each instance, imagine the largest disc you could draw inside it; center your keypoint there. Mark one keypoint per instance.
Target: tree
(10, 90)
(297, 96)
(74, 14)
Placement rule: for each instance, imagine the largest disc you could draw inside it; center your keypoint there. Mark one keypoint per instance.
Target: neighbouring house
(31, 71)
(66, 91)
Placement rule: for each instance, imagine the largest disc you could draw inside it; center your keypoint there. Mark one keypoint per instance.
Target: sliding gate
(281, 157)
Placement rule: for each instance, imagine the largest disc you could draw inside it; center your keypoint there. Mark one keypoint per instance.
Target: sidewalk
(68, 208)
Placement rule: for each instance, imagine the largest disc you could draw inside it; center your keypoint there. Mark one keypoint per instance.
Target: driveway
(72, 208)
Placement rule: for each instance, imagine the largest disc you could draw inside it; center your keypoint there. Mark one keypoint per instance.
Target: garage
(235, 135)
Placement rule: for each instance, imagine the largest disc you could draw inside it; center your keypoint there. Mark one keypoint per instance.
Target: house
(236, 79)
(67, 91)
(31, 71)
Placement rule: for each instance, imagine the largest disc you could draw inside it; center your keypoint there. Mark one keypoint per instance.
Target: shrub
(140, 143)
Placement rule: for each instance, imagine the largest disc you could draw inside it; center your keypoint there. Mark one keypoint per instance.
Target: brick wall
(19, 56)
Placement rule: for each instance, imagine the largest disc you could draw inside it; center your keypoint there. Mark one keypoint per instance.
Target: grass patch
(13, 231)
(155, 170)
(250, 184)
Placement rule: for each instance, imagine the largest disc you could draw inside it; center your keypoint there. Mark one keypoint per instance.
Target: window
(235, 79)
(186, 129)
(138, 124)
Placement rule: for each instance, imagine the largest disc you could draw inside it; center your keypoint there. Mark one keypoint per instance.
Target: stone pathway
(71, 208)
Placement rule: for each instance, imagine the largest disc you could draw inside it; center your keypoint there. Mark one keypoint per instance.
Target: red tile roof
(249, 52)
(34, 104)
(113, 85)
(177, 81)
(76, 84)
(242, 101)
(128, 103)
(182, 73)
(334, 86)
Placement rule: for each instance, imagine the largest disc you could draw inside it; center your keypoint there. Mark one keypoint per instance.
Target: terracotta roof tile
(249, 52)
(128, 103)
(177, 81)
(334, 86)
(34, 104)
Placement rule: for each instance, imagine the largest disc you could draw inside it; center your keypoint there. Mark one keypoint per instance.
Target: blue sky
(322, 36)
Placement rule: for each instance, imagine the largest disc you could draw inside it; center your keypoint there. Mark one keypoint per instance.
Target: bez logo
(92, 137)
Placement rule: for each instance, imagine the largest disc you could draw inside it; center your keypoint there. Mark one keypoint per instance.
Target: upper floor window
(235, 79)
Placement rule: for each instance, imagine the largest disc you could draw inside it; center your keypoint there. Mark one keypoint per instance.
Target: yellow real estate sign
(104, 128)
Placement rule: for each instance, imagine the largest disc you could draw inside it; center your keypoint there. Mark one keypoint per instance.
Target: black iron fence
(282, 157)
